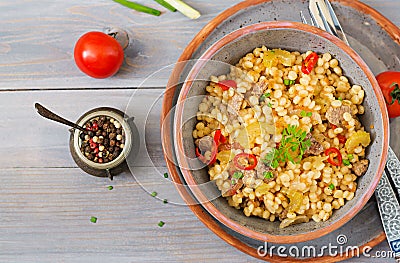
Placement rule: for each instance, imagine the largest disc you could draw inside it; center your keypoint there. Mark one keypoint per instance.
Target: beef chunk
(335, 115)
(235, 103)
(360, 167)
(256, 90)
(315, 149)
(205, 144)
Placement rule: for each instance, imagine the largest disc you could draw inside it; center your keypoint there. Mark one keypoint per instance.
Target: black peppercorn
(99, 144)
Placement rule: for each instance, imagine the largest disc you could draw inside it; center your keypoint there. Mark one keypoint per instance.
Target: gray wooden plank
(37, 40)
(45, 217)
(28, 140)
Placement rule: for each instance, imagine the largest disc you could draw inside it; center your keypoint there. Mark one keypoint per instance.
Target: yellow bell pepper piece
(357, 138)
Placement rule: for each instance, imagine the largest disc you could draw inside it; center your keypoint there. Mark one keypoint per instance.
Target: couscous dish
(281, 136)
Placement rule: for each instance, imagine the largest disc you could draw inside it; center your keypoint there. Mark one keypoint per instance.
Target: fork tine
(336, 22)
(303, 18)
(326, 24)
(313, 22)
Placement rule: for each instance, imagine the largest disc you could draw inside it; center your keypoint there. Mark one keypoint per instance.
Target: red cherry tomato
(309, 63)
(389, 83)
(98, 55)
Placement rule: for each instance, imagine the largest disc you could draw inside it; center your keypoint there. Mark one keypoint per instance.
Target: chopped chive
(268, 175)
(346, 162)
(166, 5)
(238, 175)
(93, 219)
(350, 156)
(154, 194)
(165, 175)
(269, 104)
(264, 96)
(288, 82)
(165, 201)
(331, 186)
(161, 224)
(139, 7)
(304, 113)
(110, 187)
(340, 98)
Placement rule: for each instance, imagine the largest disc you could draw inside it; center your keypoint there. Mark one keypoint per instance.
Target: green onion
(139, 7)
(331, 186)
(264, 96)
(154, 194)
(350, 156)
(93, 219)
(165, 175)
(161, 224)
(268, 175)
(288, 82)
(165, 201)
(110, 187)
(346, 162)
(237, 175)
(340, 98)
(304, 113)
(269, 104)
(166, 5)
(184, 8)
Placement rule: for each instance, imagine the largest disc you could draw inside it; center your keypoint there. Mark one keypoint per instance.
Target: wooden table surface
(46, 202)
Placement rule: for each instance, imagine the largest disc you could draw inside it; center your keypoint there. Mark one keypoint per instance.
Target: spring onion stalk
(184, 8)
(166, 5)
(139, 7)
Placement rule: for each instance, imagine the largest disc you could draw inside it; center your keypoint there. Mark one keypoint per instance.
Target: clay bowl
(289, 36)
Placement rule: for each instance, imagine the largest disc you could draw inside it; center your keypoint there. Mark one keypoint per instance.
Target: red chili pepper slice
(333, 126)
(226, 84)
(222, 140)
(309, 63)
(342, 138)
(252, 159)
(331, 152)
(217, 136)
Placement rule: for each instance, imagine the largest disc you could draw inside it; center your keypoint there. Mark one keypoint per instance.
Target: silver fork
(324, 17)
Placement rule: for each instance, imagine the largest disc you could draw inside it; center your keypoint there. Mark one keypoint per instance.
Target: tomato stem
(395, 93)
(118, 34)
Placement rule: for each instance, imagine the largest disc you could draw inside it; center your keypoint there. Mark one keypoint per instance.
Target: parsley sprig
(292, 147)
